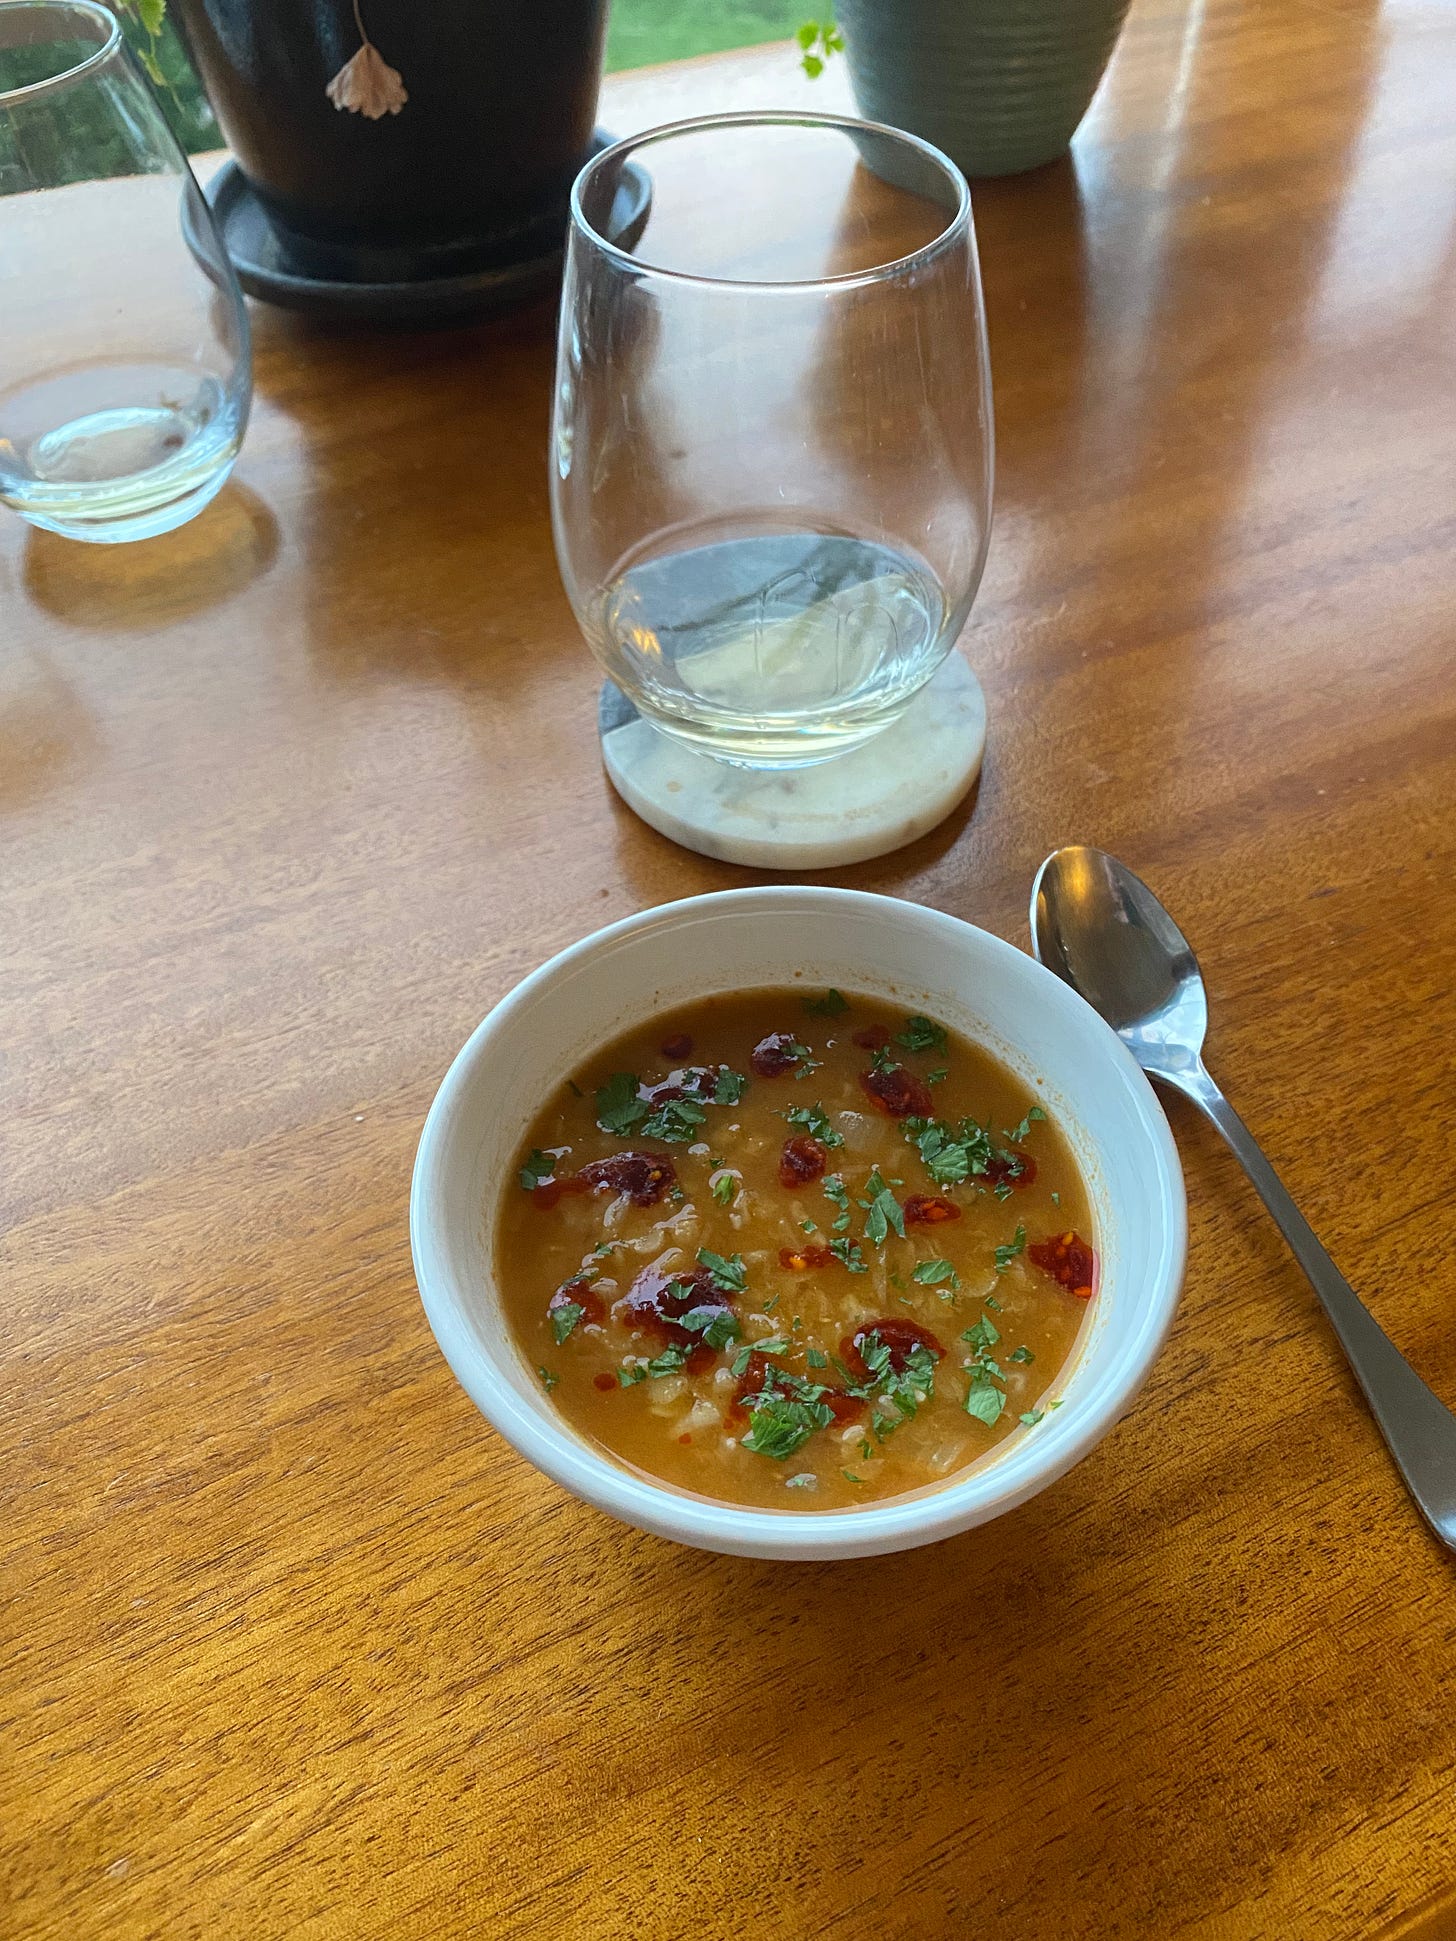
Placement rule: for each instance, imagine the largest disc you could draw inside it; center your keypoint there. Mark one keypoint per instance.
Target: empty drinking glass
(125, 375)
(771, 459)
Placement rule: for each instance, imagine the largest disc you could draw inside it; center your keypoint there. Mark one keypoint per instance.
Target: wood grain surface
(293, 1644)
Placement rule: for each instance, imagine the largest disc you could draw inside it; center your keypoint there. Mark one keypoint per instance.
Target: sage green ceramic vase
(1000, 85)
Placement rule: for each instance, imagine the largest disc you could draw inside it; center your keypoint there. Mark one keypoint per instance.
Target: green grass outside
(639, 32)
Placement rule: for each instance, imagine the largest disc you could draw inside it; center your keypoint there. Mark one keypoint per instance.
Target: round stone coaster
(874, 799)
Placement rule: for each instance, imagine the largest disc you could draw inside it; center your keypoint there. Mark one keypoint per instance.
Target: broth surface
(796, 1250)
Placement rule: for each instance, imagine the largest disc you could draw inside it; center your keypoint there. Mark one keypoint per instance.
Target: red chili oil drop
(898, 1092)
(802, 1160)
(926, 1210)
(1068, 1259)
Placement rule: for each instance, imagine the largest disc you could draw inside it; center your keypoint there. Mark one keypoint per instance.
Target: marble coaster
(872, 800)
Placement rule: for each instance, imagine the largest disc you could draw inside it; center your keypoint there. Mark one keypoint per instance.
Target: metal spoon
(1101, 929)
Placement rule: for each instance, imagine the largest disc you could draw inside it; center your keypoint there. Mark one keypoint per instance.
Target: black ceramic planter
(470, 171)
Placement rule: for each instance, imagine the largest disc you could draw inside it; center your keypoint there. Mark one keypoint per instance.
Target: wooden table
(295, 1645)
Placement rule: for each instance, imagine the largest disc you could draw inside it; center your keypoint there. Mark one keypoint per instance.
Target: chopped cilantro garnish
(618, 1106)
(922, 1034)
(882, 1211)
(1022, 1354)
(902, 1390)
(636, 1373)
(807, 1226)
(989, 1300)
(668, 1362)
(774, 1344)
(949, 1155)
(725, 1189)
(983, 1335)
(816, 1358)
(728, 1275)
(836, 1190)
(564, 1319)
(881, 1061)
(548, 1380)
(781, 1424)
(832, 1004)
(815, 1122)
(1032, 1417)
(539, 1165)
(729, 1087)
(984, 1400)
(771, 1303)
(866, 1450)
(1005, 1255)
(848, 1251)
(804, 1060)
(850, 1477)
(676, 1120)
(1058, 1403)
(1018, 1132)
(717, 1325)
(936, 1077)
(805, 1480)
(930, 1273)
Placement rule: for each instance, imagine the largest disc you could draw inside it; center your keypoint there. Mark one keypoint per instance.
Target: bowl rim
(548, 1442)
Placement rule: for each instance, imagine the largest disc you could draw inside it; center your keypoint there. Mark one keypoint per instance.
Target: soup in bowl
(798, 1222)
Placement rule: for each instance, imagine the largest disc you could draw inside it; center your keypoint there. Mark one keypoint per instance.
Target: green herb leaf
(816, 1123)
(729, 1275)
(1018, 1132)
(983, 1335)
(627, 1376)
(850, 1477)
(804, 1060)
(922, 1034)
(807, 1226)
(834, 1003)
(669, 1361)
(771, 1303)
(539, 1165)
(781, 1424)
(1022, 1354)
(725, 1189)
(1032, 1417)
(548, 1380)
(816, 1358)
(618, 1106)
(884, 1215)
(985, 1402)
(807, 36)
(1005, 1255)
(717, 1325)
(676, 1120)
(848, 1251)
(564, 1319)
(836, 1191)
(729, 1087)
(937, 1077)
(881, 1061)
(773, 1344)
(930, 1273)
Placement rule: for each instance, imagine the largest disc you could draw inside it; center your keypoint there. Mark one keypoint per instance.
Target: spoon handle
(1419, 1429)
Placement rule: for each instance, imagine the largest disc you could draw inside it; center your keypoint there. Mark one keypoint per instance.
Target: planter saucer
(270, 269)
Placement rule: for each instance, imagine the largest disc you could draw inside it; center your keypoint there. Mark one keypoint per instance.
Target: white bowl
(560, 1016)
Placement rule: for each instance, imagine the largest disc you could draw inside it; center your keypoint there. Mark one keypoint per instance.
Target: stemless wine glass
(771, 454)
(125, 374)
